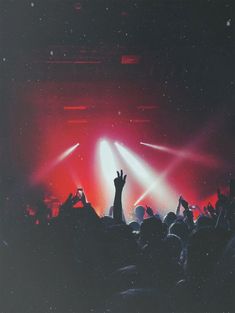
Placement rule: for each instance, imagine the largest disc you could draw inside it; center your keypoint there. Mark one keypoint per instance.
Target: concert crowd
(80, 262)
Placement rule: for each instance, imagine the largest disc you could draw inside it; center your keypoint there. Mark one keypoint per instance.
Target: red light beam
(41, 173)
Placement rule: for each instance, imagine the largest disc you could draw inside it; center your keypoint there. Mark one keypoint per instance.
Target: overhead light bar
(130, 59)
(75, 107)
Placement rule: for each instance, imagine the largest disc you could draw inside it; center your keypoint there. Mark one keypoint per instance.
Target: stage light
(67, 153)
(208, 160)
(204, 159)
(149, 190)
(140, 169)
(130, 59)
(161, 193)
(75, 107)
(180, 156)
(41, 173)
(109, 169)
(161, 148)
(107, 160)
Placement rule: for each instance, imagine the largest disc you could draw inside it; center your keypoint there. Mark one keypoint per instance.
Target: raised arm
(187, 214)
(119, 183)
(178, 206)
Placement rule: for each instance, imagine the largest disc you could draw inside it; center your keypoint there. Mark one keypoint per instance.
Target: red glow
(78, 107)
(57, 130)
(204, 159)
(212, 198)
(77, 121)
(44, 171)
(30, 211)
(130, 59)
(54, 211)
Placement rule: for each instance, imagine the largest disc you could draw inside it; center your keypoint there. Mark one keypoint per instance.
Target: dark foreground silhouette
(80, 262)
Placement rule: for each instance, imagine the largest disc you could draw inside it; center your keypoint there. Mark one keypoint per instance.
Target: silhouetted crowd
(79, 262)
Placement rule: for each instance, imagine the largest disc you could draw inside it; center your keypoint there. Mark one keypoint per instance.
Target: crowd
(80, 262)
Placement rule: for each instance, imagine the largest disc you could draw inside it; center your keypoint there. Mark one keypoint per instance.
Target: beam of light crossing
(204, 159)
(109, 169)
(41, 173)
(147, 176)
(202, 137)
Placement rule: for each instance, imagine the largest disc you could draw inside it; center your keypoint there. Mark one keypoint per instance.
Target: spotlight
(203, 159)
(149, 190)
(146, 176)
(41, 173)
(161, 148)
(140, 169)
(67, 153)
(107, 160)
(108, 168)
(180, 156)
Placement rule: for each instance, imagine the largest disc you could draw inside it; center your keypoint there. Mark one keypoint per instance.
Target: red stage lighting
(130, 59)
(41, 173)
(204, 159)
(75, 107)
(163, 195)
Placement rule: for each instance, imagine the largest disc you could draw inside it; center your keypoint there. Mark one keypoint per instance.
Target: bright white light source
(140, 169)
(180, 156)
(67, 152)
(149, 190)
(108, 168)
(204, 159)
(147, 177)
(166, 149)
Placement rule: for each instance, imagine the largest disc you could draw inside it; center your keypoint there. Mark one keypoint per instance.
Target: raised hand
(120, 180)
(149, 211)
(70, 201)
(68, 204)
(81, 196)
(178, 206)
(184, 203)
(119, 183)
(180, 198)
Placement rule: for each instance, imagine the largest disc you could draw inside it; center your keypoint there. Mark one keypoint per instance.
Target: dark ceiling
(180, 50)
